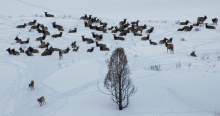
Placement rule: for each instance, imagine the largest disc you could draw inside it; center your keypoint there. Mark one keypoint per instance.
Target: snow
(184, 86)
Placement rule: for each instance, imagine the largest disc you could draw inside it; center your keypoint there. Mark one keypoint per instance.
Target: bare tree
(117, 80)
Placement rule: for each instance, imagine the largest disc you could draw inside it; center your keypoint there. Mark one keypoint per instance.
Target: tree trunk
(120, 94)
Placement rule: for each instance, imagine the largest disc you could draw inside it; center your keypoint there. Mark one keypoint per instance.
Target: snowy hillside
(183, 85)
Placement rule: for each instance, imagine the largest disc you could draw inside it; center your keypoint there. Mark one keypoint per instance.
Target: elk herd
(95, 24)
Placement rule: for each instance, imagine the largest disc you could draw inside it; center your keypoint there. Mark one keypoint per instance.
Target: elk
(25, 42)
(111, 28)
(88, 40)
(163, 41)
(193, 54)
(12, 52)
(32, 23)
(215, 21)
(57, 35)
(41, 38)
(186, 28)
(22, 26)
(150, 30)
(21, 50)
(135, 23)
(146, 38)
(140, 28)
(118, 38)
(59, 27)
(32, 50)
(84, 17)
(74, 44)
(60, 55)
(29, 53)
(44, 45)
(48, 15)
(44, 28)
(90, 50)
(184, 23)
(31, 85)
(41, 100)
(75, 50)
(35, 26)
(153, 43)
(170, 40)
(47, 52)
(170, 47)
(73, 31)
(17, 40)
(201, 19)
(104, 48)
(137, 34)
(65, 51)
(209, 27)
(122, 22)
(100, 45)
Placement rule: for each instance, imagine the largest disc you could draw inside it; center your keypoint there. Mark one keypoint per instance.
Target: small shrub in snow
(189, 64)
(178, 65)
(182, 39)
(155, 67)
(197, 29)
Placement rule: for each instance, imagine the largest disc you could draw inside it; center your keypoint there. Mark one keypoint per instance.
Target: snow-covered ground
(184, 86)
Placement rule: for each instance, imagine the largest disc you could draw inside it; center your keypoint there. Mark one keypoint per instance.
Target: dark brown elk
(32, 23)
(54, 49)
(215, 21)
(116, 30)
(47, 52)
(44, 28)
(188, 28)
(137, 34)
(74, 44)
(12, 52)
(60, 55)
(75, 50)
(111, 28)
(170, 47)
(41, 38)
(135, 23)
(98, 37)
(22, 26)
(21, 50)
(196, 24)
(170, 40)
(59, 27)
(29, 53)
(17, 40)
(209, 26)
(65, 51)
(193, 54)
(141, 28)
(201, 19)
(44, 45)
(163, 41)
(90, 50)
(100, 45)
(41, 100)
(32, 50)
(46, 33)
(152, 43)
(146, 38)
(57, 35)
(35, 26)
(31, 85)
(150, 30)
(73, 31)
(184, 23)
(48, 15)
(122, 22)
(88, 40)
(25, 42)
(118, 38)
(84, 17)
(104, 48)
